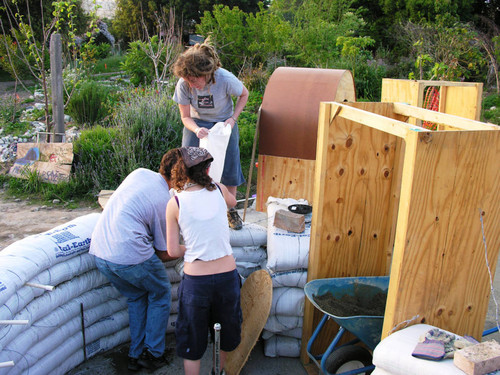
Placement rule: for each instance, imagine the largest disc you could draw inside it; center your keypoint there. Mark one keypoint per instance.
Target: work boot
(234, 219)
(133, 364)
(149, 361)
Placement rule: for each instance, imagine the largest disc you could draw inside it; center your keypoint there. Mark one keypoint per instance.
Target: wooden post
(57, 86)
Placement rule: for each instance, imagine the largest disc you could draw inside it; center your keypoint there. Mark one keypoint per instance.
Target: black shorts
(204, 301)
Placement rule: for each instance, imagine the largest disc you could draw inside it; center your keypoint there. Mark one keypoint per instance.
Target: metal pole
(249, 182)
(83, 332)
(217, 328)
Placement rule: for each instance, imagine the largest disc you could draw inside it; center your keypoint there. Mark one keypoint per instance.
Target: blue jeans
(147, 288)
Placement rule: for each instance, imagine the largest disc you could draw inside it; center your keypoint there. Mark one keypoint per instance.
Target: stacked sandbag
(175, 279)
(287, 260)
(52, 341)
(249, 248)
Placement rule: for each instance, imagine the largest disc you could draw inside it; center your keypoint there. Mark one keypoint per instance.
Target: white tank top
(203, 224)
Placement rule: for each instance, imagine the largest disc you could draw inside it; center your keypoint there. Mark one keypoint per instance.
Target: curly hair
(167, 162)
(181, 174)
(198, 61)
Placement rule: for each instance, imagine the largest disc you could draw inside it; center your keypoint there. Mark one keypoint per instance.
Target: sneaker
(149, 361)
(133, 364)
(234, 219)
(222, 372)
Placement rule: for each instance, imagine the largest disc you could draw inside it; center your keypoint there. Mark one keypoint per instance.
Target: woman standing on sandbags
(209, 292)
(204, 93)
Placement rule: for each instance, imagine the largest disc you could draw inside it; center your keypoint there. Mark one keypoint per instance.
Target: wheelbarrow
(348, 358)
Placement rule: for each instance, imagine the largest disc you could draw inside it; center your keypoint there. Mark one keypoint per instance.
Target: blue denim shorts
(204, 301)
(232, 174)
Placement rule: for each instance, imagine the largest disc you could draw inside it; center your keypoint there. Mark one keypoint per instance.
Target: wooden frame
(456, 98)
(394, 198)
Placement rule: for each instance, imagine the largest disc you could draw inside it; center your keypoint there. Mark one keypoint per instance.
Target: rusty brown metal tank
(290, 107)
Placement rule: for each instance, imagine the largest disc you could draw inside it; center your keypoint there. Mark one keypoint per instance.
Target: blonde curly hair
(198, 61)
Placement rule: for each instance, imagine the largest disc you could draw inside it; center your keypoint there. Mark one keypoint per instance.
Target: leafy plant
(146, 125)
(491, 109)
(88, 104)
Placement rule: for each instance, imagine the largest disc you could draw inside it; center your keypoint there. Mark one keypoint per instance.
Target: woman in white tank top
(209, 291)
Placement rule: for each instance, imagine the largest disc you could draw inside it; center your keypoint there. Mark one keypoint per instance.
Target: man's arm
(163, 255)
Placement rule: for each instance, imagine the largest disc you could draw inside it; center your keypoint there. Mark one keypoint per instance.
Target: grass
(491, 109)
(110, 64)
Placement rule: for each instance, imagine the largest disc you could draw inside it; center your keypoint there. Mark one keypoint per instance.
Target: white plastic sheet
(216, 143)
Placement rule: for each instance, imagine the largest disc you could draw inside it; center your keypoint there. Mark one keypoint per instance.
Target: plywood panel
(439, 272)
(463, 101)
(283, 178)
(52, 161)
(400, 90)
(352, 206)
(446, 186)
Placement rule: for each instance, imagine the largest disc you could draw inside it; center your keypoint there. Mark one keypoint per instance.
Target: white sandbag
(171, 323)
(250, 234)
(103, 327)
(47, 302)
(24, 259)
(174, 307)
(179, 267)
(246, 268)
(278, 323)
(292, 278)
(288, 302)
(170, 263)
(173, 275)
(174, 291)
(53, 276)
(286, 250)
(25, 351)
(295, 333)
(216, 143)
(44, 327)
(282, 346)
(251, 254)
(101, 345)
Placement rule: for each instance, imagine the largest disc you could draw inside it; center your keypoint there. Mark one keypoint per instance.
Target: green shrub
(146, 124)
(491, 109)
(87, 106)
(93, 159)
(150, 125)
(138, 65)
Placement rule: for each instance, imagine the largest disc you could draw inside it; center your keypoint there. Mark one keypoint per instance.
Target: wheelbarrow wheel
(347, 358)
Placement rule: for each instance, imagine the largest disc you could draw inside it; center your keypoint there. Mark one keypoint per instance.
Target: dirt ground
(21, 218)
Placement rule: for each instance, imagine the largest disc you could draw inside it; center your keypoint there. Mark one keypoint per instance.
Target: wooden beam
(450, 121)
(375, 121)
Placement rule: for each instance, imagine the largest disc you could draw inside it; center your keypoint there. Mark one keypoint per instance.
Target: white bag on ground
(250, 235)
(293, 278)
(288, 302)
(216, 143)
(282, 346)
(296, 333)
(279, 323)
(250, 254)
